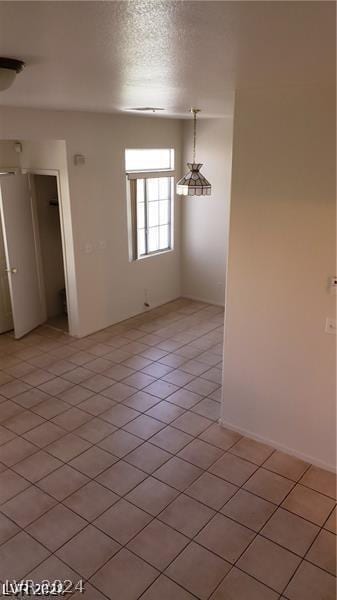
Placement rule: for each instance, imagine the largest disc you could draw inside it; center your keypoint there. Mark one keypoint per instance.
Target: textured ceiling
(108, 56)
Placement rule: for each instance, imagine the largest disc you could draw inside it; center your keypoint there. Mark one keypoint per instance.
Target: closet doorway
(33, 281)
(49, 250)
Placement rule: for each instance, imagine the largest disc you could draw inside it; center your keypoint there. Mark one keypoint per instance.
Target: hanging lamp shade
(194, 183)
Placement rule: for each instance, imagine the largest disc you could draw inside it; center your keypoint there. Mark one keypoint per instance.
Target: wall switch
(331, 326)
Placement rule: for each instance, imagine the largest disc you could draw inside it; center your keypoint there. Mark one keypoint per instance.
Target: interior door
(20, 250)
(6, 319)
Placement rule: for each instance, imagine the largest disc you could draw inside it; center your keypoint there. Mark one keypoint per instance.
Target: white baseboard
(206, 300)
(309, 459)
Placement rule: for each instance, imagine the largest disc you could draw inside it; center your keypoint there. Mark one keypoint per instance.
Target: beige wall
(205, 218)
(279, 364)
(8, 156)
(109, 288)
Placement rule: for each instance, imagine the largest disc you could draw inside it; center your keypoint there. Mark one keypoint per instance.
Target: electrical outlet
(331, 326)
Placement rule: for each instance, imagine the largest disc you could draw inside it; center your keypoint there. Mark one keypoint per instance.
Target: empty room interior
(168, 294)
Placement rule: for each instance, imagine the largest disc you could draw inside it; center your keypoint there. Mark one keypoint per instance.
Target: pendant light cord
(194, 133)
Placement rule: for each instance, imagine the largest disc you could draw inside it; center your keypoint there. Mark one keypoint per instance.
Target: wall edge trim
(259, 438)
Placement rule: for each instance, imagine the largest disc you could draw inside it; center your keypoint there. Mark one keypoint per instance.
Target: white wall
(109, 288)
(279, 364)
(205, 218)
(50, 242)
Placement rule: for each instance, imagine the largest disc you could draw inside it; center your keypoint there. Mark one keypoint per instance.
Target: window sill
(159, 253)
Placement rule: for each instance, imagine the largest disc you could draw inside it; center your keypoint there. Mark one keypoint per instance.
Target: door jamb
(56, 173)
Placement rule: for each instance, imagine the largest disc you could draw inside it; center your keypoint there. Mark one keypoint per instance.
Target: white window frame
(132, 178)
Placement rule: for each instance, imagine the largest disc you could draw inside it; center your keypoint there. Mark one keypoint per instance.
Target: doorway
(49, 249)
(32, 281)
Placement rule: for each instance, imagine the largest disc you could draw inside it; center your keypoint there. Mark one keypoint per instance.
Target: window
(151, 189)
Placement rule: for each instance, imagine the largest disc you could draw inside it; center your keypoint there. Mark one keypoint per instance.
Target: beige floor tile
(211, 490)
(7, 529)
(139, 380)
(16, 450)
(152, 496)
(171, 439)
(321, 481)
(248, 509)
(252, 450)
(208, 408)
(161, 389)
(237, 585)
(96, 405)
(56, 527)
(311, 583)
(269, 486)
(95, 430)
(114, 578)
(88, 551)
(186, 515)
(178, 473)
(71, 419)
(76, 395)
(165, 589)
(62, 482)
(44, 434)
(93, 461)
(178, 377)
(36, 466)
(11, 484)
(91, 500)
(200, 453)
(121, 477)
(147, 457)
(123, 521)
(184, 398)
(269, 563)
(120, 443)
(233, 469)
(23, 422)
(225, 538)
(309, 504)
(144, 426)
(67, 447)
(6, 435)
(119, 415)
(141, 401)
(27, 506)
(158, 544)
(286, 465)
(165, 411)
(19, 556)
(289, 530)
(198, 570)
(220, 436)
(323, 552)
(52, 569)
(330, 524)
(191, 423)
(50, 407)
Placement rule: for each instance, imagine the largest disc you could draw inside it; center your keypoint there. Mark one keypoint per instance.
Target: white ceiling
(108, 56)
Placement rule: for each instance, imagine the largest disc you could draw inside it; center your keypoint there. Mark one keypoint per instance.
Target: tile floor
(113, 470)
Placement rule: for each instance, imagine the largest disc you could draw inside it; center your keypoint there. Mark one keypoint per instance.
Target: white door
(19, 241)
(6, 319)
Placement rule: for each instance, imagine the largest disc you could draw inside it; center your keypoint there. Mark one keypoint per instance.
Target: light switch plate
(331, 326)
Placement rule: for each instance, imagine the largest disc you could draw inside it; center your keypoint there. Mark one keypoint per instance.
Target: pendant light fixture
(9, 67)
(194, 183)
